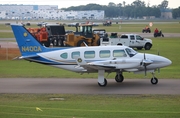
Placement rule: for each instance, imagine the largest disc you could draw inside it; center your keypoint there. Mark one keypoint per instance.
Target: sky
(68, 3)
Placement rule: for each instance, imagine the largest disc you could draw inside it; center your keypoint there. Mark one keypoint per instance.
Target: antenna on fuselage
(85, 44)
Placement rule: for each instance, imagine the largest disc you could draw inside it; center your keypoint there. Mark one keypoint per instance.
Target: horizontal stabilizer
(25, 57)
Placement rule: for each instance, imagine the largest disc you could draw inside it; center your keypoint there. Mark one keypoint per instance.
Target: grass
(6, 35)
(89, 106)
(167, 27)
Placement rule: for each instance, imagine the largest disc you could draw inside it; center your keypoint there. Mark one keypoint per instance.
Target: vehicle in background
(72, 24)
(107, 23)
(159, 34)
(146, 30)
(49, 34)
(131, 40)
(83, 35)
(41, 24)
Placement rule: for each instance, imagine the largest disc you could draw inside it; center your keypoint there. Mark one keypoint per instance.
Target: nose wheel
(154, 80)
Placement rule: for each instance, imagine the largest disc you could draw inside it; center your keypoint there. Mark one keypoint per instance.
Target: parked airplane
(92, 59)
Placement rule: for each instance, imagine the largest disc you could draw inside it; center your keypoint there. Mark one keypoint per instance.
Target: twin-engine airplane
(92, 59)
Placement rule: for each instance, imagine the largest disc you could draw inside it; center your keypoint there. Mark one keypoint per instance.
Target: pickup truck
(131, 40)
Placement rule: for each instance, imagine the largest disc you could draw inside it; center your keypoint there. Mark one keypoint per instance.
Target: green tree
(176, 13)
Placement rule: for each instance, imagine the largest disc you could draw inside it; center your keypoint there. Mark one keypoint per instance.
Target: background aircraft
(91, 59)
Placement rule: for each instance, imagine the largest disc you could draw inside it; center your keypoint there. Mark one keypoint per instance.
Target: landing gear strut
(154, 80)
(102, 82)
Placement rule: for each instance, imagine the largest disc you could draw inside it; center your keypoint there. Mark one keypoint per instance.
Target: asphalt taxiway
(88, 86)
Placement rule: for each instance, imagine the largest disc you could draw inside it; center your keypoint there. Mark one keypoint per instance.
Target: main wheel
(47, 43)
(119, 78)
(139, 48)
(154, 80)
(103, 84)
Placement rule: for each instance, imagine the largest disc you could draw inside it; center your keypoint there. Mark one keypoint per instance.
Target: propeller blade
(144, 56)
(145, 70)
(144, 64)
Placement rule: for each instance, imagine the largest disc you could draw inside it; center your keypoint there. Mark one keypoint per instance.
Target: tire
(139, 48)
(119, 44)
(47, 44)
(59, 42)
(154, 80)
(54, 42)
(81, 43)
(120, 79)
(104, 84)
(147, 46)
(155, 35)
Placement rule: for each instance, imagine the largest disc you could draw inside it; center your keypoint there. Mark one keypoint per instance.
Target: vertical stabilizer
(28, 45)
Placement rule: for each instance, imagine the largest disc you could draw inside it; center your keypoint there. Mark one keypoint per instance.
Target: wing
(127, 63)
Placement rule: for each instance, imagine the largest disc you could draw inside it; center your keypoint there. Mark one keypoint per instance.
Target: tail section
(28, 45)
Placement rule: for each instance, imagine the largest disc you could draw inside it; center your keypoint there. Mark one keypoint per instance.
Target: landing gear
(103, 84)
(154, 80)
(119, 78)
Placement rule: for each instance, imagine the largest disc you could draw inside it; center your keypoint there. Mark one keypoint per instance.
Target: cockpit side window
(130, 52)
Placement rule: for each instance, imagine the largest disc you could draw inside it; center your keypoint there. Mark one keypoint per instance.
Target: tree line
(136, 9)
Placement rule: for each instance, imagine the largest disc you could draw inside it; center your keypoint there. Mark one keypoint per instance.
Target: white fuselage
(119, 57)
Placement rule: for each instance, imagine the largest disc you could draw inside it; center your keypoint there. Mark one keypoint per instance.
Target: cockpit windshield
(130, 52)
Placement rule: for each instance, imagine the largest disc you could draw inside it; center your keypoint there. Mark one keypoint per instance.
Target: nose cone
(164, 61)
(169, 62)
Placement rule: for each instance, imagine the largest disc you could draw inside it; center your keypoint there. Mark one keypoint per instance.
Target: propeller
(145, 63)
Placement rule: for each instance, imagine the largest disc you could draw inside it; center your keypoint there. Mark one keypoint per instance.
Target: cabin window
(104, 54)
(89, 54)
(75, 54)
(119, 53)
(64, 55)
